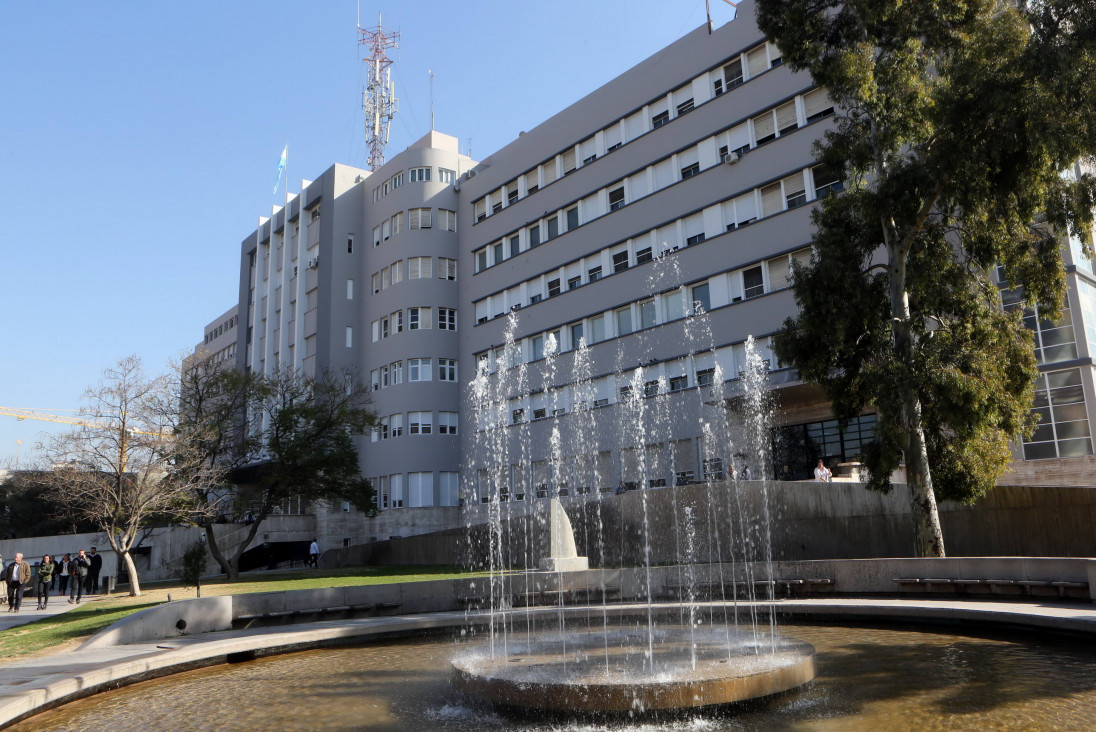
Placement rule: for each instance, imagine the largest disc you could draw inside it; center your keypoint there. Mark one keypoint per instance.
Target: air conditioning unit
(456, 187)
(314, 262)
(730, 158)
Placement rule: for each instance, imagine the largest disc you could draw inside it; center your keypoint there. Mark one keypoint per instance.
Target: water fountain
(656, 655)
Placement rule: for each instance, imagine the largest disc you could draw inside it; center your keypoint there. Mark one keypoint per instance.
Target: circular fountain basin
(589, 675)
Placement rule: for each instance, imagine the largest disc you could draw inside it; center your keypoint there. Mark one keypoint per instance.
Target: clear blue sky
(139, 142)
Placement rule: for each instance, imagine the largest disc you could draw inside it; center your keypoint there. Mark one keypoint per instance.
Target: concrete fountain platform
(34, 685)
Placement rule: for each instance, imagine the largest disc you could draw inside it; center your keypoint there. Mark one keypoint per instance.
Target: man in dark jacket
(16, 575)
(78, 569)
(93, 572)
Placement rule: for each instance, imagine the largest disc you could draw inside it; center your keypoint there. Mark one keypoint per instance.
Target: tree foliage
(960, 123)
(267, 439)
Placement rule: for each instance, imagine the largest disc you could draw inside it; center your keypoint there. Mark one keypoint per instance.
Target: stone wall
(808, 521)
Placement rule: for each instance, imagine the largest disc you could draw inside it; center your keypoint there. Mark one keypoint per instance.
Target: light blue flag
(281, 166)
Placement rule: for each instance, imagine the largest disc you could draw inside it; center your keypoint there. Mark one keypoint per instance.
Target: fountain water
(521, 470)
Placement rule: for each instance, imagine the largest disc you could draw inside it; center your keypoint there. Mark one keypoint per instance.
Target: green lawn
(83, 621)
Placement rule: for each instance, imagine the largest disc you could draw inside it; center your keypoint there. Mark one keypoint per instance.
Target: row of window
(699, 370)
(418, 423)
(418, 369)
(414, 175)
(637, 251)
(735, 71)
(421, 490)
(415, 268)
(222, 328)
(1063, 429)
(419, 318)
(417, 218)
(744, 209)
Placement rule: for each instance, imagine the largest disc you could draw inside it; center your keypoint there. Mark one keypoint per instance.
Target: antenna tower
(379, 98)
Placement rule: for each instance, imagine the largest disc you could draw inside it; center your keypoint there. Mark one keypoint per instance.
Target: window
(386, 230)
(384, 377)
(396, 422)
(419, 218)
(534, 235)
(350, 289)
(644, 255)
(384, 327)
(447, 319)
(446, 176)
(397, 372)
(418, 369)
(350, 244)
(419, 175)
(701, 300)
(572, 218)
(397, 271)
(496, 207)
(517, 416)
(732, 74)
(481, 260)
(574, 282)
(660, 119)
(753, 282)
(447, 423)
(419, 268)
(481, 210)
(553, 227)
(397, 180)
(786, 120)
(706, 377)
(616, 198)
(625, 393)
(540, 413)
(597, 329)
(816, 105)
(447, 369)
(418, 319)
(694, 239)
(554, 287)
(512, 194)
(624, 321)
(576, 334)
(685, 107)
(826, 182)
(650, 389)
(397, 321)
(447, 219)
(496, 251)
(690, 170)
(620, 262)
(537, 345)
(764, 128)
(594, 274)
(349, 337)
(449, 488)
(397, 223)
(376, 236)
(679, 383)
(420, 423)
(647, 314)
(515, 245)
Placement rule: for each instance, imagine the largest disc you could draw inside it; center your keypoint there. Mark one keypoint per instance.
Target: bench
(967, 585)
(740, 588)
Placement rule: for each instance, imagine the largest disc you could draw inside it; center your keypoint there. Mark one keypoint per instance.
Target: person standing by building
(822, 473)
(78, 573)
(93, 572)
(17, 575)
(63, 574)
(45, 578)
(314, 555)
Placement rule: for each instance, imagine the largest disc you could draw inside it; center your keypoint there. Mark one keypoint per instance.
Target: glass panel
(1075, 448)
(1039, 451)
(1067, 430)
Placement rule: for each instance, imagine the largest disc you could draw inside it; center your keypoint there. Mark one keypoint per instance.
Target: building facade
(681, 188)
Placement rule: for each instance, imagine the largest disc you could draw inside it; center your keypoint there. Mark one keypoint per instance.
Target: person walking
(93, 572)
(314, 555)
(63, 574)
(78, 574)
(17, 575)
(45, 578)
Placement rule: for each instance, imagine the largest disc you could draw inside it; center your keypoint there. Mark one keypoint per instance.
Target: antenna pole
(431, 72)
(379, 98)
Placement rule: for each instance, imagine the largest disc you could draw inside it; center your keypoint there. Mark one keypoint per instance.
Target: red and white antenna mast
(379, 98)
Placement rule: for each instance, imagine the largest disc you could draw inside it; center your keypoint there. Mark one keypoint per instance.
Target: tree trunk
(131, 570)
(231, 573)
(929, 539)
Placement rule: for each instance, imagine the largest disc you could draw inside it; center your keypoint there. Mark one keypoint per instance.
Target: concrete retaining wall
(850, 577)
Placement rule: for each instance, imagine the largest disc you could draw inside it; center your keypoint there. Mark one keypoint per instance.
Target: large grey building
(683, 187)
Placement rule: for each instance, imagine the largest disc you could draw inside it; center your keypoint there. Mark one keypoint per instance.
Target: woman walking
(45, 577)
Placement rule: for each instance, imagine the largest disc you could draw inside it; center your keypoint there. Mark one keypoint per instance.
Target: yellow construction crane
(22, 414)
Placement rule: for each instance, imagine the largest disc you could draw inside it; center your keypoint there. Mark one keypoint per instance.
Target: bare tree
(118, 469)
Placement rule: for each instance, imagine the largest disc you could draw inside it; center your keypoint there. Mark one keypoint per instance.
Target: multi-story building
(221, 339)
(682, 186)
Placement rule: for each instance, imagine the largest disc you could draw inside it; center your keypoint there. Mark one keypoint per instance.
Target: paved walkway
(28, 612)
(39, 683)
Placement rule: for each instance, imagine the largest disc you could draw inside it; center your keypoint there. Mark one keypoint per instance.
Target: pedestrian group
(77, 575)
